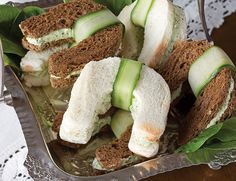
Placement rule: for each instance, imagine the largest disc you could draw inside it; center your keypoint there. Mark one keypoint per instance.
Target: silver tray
(43, 163)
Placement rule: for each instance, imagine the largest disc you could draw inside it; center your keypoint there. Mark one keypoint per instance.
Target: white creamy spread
(224, 106)
(74, 73)
(53, 36)
(176, 93)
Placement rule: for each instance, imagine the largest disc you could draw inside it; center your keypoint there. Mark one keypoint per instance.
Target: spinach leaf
(115, 5)
(7, 17)
(32, 11)
(226, 134)
(12, 47)
(209, 153)
(214, 140)
(197, 142)
(12, 61)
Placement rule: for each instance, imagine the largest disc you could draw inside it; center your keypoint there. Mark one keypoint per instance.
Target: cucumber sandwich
(69, 36)
(142, 97)
(152, 28)
(211, 76)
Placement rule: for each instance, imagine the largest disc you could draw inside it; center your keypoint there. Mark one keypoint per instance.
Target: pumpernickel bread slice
(175, 70)
(111, 155)
(58, 17)
(103, 44)
(208, 104)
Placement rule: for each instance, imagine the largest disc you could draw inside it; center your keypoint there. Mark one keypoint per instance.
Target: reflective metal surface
(5, 96)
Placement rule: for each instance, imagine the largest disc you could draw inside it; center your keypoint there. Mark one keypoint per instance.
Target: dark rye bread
(103, 44)
(110, 155)
(175, 70)
(207, 106)
(58, 17)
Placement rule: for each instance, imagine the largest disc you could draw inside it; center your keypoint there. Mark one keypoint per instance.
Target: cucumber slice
(206, 67)
(91, 23)
(140, 12)
(120, 122)
(126, 80)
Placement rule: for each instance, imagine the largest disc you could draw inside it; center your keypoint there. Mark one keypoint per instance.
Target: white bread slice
(149, 110)
(158, 31)
(91, 96)
(164, 26)
(133, 37)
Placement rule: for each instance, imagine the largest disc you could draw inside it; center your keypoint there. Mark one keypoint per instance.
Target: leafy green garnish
(10, 34)
(197, 142)
(8, 15)
(208, 154)
(115, 5)
(226, 134)
(214, 140)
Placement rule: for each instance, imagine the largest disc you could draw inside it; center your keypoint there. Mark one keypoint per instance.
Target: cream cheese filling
(224, 106)
(53, 36)
(74, 73)
(176, 93)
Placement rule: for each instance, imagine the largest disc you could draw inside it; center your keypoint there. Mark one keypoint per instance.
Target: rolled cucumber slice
(140, 12)
(126, 81)
(91, 23)
(120, 122)
(206, 67)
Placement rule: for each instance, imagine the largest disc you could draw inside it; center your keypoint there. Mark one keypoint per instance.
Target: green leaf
(226, 134)
(66, 1)
(11, 47)
(214, 140)
(14, 62)
(115, 5)
(32, 11)
(7, 17)
(197, 142)
(201, 156)
(207, 154)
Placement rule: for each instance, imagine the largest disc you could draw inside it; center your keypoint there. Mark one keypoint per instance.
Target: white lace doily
(13, 150)
(215, 10)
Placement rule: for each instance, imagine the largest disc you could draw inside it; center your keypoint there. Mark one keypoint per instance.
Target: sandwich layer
(175, 70)
(215, 104)
(103, 44)
(37, 29)
(90, 97)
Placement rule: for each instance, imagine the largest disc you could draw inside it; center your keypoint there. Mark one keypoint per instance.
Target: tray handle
(5, 96)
